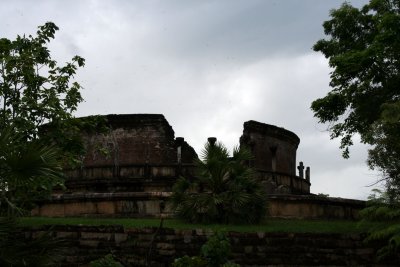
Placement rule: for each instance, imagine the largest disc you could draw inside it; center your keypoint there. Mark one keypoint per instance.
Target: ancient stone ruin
(129, 171)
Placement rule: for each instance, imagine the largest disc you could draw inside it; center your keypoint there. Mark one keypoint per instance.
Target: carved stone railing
(130, 171)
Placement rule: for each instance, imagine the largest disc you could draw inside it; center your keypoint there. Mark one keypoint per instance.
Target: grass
(271, 225)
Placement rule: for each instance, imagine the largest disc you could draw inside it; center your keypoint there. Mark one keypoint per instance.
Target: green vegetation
(224, 189)
(272, 225)
(34, 91)
(214, 253)
(363, 50)
(106, 261)
(380, 208)
(28, 172)
(17, 250)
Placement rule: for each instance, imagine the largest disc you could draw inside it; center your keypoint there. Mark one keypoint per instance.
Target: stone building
(130, 170)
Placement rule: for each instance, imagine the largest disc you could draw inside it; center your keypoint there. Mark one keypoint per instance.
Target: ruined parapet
(137, 153)
(132, 139)
(274, 148)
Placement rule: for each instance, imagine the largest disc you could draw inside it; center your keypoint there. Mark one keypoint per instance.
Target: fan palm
(28, 171)
(224, 190)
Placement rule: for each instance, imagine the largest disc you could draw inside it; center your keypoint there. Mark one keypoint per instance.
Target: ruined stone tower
(274, 148)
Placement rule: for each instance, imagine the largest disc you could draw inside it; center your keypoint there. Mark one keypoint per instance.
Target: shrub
(214, 253)
(106, 261)
(224, 189)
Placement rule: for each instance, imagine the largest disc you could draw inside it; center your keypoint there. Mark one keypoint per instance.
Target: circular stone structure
(129, 170)
(274, 148)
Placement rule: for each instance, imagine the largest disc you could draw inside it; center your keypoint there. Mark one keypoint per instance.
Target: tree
(34, 92)
(37, 99)
(363, 51)
(223, 191)
(33, 89)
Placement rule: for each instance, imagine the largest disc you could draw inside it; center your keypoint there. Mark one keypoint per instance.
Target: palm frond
(225, 190)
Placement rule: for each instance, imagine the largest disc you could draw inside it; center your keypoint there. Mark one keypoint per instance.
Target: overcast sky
(208, 66)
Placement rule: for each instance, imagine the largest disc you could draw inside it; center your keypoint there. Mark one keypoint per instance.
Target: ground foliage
(224, 190)
(214, 253)
(17, 251)
(106, 261)
(382, 208)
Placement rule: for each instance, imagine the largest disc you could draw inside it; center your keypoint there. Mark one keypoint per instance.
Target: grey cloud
(207, 65)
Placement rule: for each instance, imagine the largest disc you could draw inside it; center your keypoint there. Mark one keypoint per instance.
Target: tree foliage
(38, 94)
(34, 90)
(28, 172)
(223, 191)
(363, 51)
(382, 208)
(37, 130)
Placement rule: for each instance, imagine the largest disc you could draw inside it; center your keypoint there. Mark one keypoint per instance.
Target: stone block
(106, 207)
(69, 235)
(89, 243)
(79, 208)
(96, 236)
(120, 237)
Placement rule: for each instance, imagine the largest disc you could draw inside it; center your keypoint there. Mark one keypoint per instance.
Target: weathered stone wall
(147, 204)
(313, 207)
(131, 246)
(134, 139)
(274, 148)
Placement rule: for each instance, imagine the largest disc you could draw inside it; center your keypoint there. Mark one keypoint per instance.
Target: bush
(382, 208)
(187, 261)
(224, 189)
(214, 253)
(107, 261)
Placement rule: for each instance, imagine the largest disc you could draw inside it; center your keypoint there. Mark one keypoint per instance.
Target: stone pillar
(308, 174)
(212, 140)
(301, 169)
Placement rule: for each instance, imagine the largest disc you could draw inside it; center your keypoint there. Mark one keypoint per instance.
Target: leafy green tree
(224, 190)
(37, 130)
(363, 51)
(36, 91)
(33, 89)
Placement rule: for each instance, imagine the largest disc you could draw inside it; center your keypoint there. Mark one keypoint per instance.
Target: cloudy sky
(207, 65)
